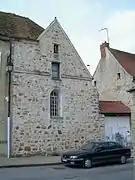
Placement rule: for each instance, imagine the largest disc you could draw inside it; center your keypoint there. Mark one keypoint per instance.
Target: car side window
(105, 146)
(102, 147)
(113, 145)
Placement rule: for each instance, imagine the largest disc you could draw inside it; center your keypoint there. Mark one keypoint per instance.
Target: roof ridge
(14, 14)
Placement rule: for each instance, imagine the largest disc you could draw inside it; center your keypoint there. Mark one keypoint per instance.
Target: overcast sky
(82, 20)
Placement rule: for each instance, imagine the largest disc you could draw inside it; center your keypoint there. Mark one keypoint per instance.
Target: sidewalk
(29, 161)
(33, 161)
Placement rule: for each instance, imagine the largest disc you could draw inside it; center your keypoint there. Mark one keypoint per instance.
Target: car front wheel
(123, 159)
(87, 163)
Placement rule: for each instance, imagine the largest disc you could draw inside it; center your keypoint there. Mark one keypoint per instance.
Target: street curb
(29, 165)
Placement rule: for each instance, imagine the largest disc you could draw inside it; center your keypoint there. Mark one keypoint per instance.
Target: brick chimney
(103, 49)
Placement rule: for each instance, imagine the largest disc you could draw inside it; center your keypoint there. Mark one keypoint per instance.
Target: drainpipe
(9, 71)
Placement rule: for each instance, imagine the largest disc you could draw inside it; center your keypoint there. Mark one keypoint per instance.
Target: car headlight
(73, 157)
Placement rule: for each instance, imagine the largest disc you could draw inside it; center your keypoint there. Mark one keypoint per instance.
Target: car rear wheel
(123, 159)
(87, 163)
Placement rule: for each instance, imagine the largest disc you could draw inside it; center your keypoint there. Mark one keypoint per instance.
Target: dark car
(97, 153)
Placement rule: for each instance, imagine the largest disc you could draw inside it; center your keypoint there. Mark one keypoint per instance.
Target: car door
(100, 153)
(114, 151)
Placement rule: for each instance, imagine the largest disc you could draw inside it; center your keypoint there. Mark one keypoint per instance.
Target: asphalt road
(111, 172)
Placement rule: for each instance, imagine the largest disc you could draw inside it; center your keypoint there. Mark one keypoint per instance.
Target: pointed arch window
(54, 103)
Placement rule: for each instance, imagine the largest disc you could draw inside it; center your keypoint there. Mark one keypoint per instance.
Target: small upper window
(55, 70)
(118, 75)
(95, 83)
(134, 79)
(56, 48)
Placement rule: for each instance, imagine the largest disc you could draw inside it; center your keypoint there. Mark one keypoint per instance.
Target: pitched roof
(12, 25)
(127, 60)
(113, 107)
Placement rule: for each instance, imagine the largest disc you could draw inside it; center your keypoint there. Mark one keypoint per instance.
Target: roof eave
(7, 38)
(115, 114)
(131, 90)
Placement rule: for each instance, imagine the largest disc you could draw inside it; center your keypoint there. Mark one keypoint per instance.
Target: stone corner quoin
(34, 132)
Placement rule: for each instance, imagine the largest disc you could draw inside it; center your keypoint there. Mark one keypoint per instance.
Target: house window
(118, 75)
(133, 79)
(95, 83)
(54, 103)
(55, 70)
(56, 48)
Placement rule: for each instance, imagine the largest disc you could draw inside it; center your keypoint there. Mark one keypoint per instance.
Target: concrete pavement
(29, 161)
(60, 172)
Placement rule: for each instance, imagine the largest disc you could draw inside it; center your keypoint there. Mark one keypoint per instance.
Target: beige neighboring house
(54, 106)
(113, 76)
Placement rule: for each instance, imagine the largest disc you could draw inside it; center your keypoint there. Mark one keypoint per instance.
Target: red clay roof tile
(127, 60)
(116, 107)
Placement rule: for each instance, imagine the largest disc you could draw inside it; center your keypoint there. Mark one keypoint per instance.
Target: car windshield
(90, 146)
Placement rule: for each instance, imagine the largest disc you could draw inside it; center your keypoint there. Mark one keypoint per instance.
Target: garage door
(118, 129)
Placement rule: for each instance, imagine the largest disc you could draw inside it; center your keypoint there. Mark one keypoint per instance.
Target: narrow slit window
(118, 76)
(56, 48)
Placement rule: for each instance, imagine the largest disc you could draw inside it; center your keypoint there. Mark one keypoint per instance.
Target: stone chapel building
(54, 106)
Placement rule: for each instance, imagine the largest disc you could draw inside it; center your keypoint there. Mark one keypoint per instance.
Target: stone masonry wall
(133, 126)
(33, 131)
(109, 87)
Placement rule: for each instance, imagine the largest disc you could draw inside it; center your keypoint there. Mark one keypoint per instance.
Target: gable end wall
(109, 87)
(34, 132)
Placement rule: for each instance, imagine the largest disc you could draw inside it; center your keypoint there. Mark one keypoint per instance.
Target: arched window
(54, 103)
